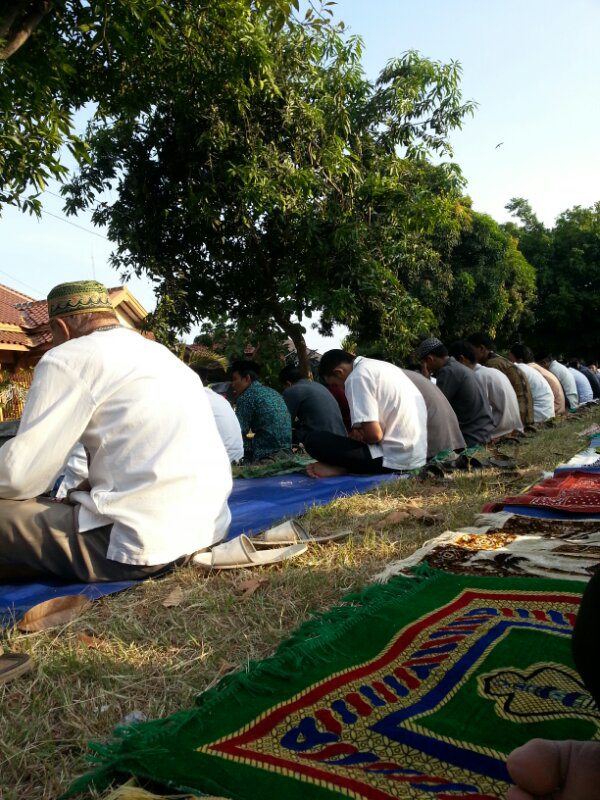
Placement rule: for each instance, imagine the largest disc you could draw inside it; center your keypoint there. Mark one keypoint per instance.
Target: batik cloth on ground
(472, 551)
(415, 689)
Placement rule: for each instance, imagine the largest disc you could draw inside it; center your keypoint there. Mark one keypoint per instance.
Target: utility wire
(75, 225)
(31, 288)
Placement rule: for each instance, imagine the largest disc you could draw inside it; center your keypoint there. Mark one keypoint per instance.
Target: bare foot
(320, 470)
(544, 770)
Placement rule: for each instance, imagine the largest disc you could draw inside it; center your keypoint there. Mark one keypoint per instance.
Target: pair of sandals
(285, 541)
(12, 665)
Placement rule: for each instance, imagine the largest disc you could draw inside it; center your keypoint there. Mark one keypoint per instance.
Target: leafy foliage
(567, 260)
(58, 55)
(248, 339)
(269, 179)
(492, 284)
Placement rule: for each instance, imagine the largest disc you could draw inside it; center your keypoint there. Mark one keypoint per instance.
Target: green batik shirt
(264, 412)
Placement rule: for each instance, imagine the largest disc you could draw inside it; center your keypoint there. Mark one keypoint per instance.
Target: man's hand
(372, 432)
(357, 434)
(84, 486)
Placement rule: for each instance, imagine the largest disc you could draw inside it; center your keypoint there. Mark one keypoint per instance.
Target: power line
(31, 288)
(75, 225)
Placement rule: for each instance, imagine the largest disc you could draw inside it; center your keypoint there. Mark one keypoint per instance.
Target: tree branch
(17, 38)
(8, 20)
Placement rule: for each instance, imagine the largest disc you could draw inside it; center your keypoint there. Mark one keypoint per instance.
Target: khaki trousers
(40, 538)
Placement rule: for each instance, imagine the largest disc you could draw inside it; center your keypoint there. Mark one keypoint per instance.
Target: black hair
(543, 355)
(574, 362)
(463, 348)
(591, 362)
(521, 352)
(291, 373)
(246, 369)
(481, 339)
(333, 359)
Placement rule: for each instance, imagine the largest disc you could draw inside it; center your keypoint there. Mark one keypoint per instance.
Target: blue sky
(533, 66)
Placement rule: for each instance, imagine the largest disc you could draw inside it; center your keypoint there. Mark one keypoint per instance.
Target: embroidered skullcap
(427, 346)
(78, 297)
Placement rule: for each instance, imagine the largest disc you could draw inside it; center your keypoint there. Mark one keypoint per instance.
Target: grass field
(130, 653)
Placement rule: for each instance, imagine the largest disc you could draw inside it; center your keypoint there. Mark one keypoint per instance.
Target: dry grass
(130, 653)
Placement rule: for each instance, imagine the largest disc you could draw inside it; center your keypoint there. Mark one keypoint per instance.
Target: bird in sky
(498, 145)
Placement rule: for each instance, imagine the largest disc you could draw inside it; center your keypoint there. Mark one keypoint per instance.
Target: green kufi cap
(78, 297)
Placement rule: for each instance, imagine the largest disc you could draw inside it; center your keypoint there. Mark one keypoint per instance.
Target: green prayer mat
(282, 466)
(418, 688)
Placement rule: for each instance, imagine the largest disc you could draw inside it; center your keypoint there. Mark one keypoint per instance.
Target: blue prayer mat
(255, 505)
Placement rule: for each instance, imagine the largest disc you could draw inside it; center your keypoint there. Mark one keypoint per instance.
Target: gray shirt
(314, 408)
(466, 396)
(443, 430)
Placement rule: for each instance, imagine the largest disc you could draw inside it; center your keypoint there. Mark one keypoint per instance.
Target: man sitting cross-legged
(312, 407)
(261, 410)
(159, 476)
(389, 420)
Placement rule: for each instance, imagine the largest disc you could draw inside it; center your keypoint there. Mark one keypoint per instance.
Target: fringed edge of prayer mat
(315, 642)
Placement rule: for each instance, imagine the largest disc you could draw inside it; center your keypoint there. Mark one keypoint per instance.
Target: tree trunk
(297, 338)
(14, 39)
(296, 333)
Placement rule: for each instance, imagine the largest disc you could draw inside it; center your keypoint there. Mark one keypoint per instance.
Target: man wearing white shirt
(498, 390)
(227, 422)
(389, 420)
(567, 381)
(227, 425)
(543, 399)
(159, 476)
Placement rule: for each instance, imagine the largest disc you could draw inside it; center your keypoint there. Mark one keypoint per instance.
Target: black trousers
(341, 451)
(586, 638)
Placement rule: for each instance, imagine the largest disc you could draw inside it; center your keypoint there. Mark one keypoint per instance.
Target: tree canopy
(58, 55)
(269, 178)
(567, 262)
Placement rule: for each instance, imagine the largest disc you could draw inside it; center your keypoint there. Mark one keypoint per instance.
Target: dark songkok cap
(427, 346)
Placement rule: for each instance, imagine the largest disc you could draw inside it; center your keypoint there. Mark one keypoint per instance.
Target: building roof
(24, 322)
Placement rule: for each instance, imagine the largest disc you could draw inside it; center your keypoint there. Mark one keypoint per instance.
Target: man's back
(518, 382)
(584, 390)
(227, 425)
(554, 384)
(264, 411)
(158, 469)
(315, 408)
(567, 381)
(543, 399)
(443, 430)
(380, 392)
(592, 380)
(502, 399)
(468, 400)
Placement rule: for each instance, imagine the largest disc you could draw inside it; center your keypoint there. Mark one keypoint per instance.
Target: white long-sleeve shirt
(227, 424)
(158, 468)
(543, 399)
(502, 399)
(567, 381)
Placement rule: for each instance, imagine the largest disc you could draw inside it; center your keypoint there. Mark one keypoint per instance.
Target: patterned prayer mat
(415, 689)
(473, 551)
